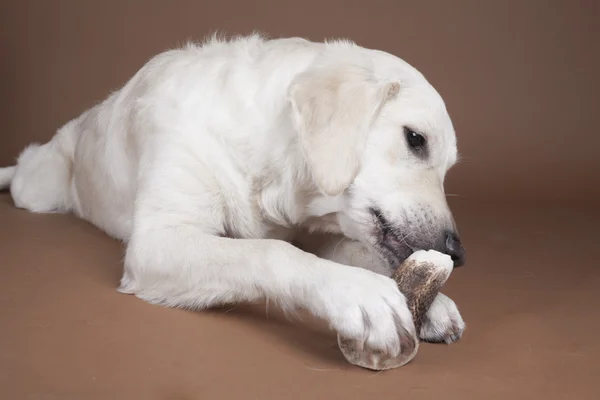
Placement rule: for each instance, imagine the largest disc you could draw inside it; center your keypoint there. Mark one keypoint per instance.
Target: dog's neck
(285, 191)
(301, 205)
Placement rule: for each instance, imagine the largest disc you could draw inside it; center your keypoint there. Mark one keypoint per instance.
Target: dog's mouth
(390, 243)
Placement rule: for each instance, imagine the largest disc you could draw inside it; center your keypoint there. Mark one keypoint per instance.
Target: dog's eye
(414, 140)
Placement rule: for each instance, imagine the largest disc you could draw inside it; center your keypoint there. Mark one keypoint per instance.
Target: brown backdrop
(520, 78)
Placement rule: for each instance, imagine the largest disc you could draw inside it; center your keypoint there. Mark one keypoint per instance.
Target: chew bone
(420, 279)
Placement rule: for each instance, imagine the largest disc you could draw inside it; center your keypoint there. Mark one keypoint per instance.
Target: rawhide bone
(420, 279)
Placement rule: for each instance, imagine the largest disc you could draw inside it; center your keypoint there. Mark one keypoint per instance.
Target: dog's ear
(333, 108)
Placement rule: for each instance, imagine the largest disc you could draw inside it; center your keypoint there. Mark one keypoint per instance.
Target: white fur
(212, 158)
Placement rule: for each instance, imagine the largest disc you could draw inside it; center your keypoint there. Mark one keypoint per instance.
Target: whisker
(403, 240)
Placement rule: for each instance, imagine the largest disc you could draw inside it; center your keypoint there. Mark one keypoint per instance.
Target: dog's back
(93, 165)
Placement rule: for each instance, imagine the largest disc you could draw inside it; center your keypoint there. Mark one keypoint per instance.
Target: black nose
(455, 250)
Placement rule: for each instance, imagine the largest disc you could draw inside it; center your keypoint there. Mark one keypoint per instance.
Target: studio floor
(529, 295)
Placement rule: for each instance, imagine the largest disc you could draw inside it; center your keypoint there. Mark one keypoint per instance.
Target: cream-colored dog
(241, 170)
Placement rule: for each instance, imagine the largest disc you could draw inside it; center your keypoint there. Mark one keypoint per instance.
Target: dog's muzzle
(396, 246)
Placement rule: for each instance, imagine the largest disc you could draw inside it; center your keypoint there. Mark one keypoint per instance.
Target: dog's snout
(455, 249)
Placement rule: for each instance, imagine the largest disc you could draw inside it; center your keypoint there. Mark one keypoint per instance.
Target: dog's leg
(442, 323)
(176, 258)
(340, 249)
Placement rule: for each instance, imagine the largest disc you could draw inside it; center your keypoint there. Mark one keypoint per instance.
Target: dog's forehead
(421, 109)
(386, 65)
(431, 117)
(418, 104)
(415, 90)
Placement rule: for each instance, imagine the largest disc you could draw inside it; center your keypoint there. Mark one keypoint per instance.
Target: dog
(245, 169)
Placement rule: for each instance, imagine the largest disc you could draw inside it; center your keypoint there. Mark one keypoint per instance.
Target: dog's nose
(455, 249)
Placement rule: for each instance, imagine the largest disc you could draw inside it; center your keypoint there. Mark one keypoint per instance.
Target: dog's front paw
(367, 309)
(443, 322)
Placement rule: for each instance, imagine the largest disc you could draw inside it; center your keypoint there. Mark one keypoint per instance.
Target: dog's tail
(6, 176)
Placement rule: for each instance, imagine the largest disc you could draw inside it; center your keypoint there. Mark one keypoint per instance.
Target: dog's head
(378, 142)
